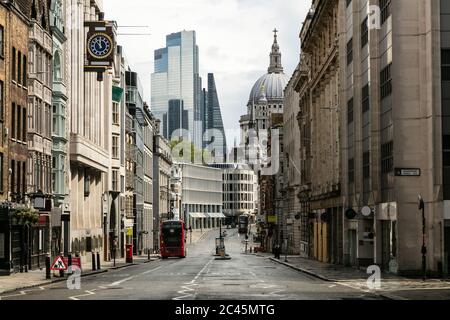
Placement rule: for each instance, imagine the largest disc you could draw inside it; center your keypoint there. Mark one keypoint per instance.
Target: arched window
(57, 74)
(34, 10)
(43, 19)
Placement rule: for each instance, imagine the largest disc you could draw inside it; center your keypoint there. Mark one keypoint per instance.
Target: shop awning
(117, 94)
(216, 215)
(197, 215)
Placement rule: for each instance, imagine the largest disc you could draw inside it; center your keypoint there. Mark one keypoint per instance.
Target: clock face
(100, 45)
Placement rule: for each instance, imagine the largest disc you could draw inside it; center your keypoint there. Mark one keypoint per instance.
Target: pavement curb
(313, 274)
(87, 274)
(387, 296)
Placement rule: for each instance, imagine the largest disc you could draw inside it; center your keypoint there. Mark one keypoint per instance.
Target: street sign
(129, 223)
(407, 172)
(366, 211)
(59, 264)
(130, 232)
(75, 262)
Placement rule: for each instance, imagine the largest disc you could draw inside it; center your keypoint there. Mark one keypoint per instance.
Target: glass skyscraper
(213, 116)
(176, 77)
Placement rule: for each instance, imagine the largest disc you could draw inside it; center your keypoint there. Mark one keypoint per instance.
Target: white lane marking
(132, 277)
(89, 293)
(21, 293)
(120, 281)
(354, 287)
(146, 272)
(187, 287)
(201, 271)
(256, 277)
(275, 293)
(185, 292)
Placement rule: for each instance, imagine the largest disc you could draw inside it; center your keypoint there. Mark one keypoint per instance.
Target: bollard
(69, 262)
(61, 272)
(148, 254)
(48, 275)
(93, 261)
(98, 260)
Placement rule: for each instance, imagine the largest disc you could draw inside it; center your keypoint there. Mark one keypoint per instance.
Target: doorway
(352, 247)
(447, 250)
(385, 244)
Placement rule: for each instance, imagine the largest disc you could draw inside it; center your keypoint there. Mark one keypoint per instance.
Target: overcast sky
(234, 37)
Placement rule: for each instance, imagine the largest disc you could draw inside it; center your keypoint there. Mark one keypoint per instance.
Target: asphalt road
(199, 277)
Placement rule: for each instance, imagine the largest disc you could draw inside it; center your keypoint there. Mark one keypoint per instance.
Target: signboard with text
(407, 172)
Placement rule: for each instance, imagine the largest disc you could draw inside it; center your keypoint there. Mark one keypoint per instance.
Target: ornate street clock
(100, 47)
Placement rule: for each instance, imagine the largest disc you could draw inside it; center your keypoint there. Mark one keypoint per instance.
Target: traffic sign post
(59, 264)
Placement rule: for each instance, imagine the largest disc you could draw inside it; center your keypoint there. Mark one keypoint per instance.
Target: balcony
(41, 37)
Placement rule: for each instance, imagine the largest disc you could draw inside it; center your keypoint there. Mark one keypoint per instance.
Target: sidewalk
(392, 286)
(198, 235)
(34, 278)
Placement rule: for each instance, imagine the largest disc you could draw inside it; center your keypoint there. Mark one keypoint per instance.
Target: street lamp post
(424, 247)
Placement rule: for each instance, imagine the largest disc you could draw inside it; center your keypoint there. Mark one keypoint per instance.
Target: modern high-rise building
(176, 77)
(177, 117)
(213, 124)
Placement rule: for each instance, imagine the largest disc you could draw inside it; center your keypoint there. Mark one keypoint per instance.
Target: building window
(350, 111)
(349, 51)
(25, 70)
(445, 64)
(115, 147)
(365, 99)
(364, 33)
(19, 120)
(13, 121)
(24, 177)
(1, 172)
(19, 67)
(115, 180)
(13, 176)
(13, 67)
(351, 170)
(2, 101)
(2, 41)
(366, 165)
(387, 157)
(24, 124)
(87, 183)
(386, 82)
(385, 7)
(115, 115)
(57, 74)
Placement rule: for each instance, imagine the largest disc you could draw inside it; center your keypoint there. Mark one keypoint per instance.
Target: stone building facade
(394, 89)
(292, 165)
(40, 83)
(266, 102)
(15, 242)
(89, 140)
(162, 163)
(59, 14)
(319, 114)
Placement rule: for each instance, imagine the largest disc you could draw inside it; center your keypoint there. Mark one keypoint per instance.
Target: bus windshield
(172, 234)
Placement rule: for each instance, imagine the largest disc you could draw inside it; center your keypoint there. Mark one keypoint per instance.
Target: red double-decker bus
(173, 239)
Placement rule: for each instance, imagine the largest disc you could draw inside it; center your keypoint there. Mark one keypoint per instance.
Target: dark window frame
(386, 82)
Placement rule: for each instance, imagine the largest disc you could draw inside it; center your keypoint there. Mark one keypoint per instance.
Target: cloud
(234, 37)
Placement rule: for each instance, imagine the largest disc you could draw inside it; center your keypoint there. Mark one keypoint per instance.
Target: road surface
(199, 277)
